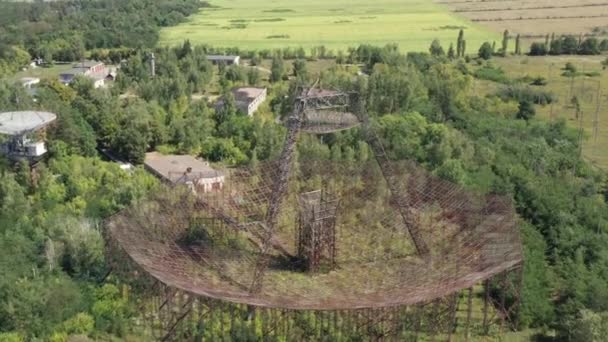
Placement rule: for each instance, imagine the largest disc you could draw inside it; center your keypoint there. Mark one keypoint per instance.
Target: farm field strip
(535, 18)
(255, 24)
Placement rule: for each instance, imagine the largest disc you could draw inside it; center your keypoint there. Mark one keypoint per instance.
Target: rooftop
(75, 71)
(87, 64)
(176, 168)
(17, 123)
(222, 57)
(29, 79)
(247, 94)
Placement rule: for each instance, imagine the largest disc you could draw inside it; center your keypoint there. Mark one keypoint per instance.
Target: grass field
(338, 24)
(585, 88)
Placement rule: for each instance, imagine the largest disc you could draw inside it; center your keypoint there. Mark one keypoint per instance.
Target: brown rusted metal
(426, 240)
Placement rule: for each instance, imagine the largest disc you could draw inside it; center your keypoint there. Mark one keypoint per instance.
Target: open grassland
(585, 88)
(535, 18)
(257, 24)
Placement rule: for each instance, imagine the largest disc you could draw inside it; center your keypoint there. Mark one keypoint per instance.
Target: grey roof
(247, 94)
(75, 71)
(17, 123)
(222, 57)
(175, 168)
(87, 64)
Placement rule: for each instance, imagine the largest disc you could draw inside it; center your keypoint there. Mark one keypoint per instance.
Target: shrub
(539, 81)
(526, 93)
(538, 49)
(486, 51)
(490, 73)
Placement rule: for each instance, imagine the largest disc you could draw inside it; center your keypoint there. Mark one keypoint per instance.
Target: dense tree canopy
(51, 245)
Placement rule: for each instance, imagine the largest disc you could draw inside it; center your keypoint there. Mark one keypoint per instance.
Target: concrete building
(247, 99)
(25, 131)
(97, 71)
(187, 170)
(228, 60)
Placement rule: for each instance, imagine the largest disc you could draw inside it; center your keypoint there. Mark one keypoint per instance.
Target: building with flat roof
(186, 170)
(228, 60)
(248, 99)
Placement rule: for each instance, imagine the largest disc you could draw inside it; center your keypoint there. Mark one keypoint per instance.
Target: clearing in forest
(339, 24)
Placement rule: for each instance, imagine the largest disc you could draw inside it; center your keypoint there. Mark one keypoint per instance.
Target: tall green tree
(505, 43)
(451, 53)
(518, 45)
(460, 44)
(277, 69)
(436, 49)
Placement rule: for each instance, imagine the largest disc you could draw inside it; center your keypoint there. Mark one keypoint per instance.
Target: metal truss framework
(464, 245)
(316, 233)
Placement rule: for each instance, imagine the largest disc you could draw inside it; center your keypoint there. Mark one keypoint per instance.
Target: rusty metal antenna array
(375, 248)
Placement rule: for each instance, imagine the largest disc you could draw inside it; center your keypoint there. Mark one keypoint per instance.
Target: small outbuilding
(248, 99)
(186, 170)
(221, 59)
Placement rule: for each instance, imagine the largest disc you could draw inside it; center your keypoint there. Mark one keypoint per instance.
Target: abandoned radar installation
(378, 247)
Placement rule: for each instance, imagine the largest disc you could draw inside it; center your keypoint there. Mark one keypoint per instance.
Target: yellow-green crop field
(336, 24)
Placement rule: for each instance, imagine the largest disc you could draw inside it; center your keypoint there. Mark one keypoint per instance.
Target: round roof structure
(22, 122)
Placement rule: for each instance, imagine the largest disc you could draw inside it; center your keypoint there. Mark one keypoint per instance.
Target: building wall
(253, 106)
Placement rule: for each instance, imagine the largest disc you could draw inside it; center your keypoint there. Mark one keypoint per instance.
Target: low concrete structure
(184, 169)
(228, 60)
(247, 99)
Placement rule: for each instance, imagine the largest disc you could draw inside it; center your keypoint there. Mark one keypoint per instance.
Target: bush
(490, 73)
(526, 110)
(539, 81)
(538, 49)
(81, 324)
(526, 93)
(486, 51)
(11, 337)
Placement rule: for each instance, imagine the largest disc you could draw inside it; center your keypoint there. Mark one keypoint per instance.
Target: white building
(228, 60)
(97, 71)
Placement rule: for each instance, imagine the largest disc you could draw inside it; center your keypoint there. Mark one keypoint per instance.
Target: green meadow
(337, 24)
(590, 78)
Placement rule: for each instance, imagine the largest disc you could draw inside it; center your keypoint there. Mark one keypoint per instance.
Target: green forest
(55, 279)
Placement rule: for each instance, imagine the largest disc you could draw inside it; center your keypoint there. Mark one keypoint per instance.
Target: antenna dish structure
(20, 123)
(25, 130)
(376, 247)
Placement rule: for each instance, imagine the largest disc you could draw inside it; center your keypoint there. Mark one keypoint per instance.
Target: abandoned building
(97, 71)
(227, 60)
(186, 170)
(247, 99)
